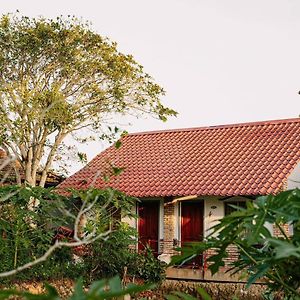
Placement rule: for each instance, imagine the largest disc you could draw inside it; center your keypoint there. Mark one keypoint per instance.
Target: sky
(220, 61)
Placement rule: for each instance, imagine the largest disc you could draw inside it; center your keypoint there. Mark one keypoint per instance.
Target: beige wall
(293, 180)
(213, 211)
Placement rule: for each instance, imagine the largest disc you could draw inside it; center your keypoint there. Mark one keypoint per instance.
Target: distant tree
(57, 76)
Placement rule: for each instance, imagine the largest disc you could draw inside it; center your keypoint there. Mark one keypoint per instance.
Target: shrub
(27, 232)
(116, 254)
(107, 258)
(29, 218)
(145, 266)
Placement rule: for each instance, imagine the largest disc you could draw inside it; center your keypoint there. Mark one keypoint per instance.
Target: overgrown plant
(27, 224)
(29, 219)
(111, 256)
(146, 266)
(117, 255)
(276, 259)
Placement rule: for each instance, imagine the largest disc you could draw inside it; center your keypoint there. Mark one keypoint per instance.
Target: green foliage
(108, 206)
(99, 290)
(27, 229)
(276, 259)
(58, 76)
(109, 257)
(27, 232)
(144, 265)
(116, 255)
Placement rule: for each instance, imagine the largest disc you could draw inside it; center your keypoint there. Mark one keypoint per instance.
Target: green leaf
(78, 293)
(97, 287)
(203, 294)
(4, 294)
(118, 170)
(118, 144)
(284, 249)
(51, 291)
(171, 297)
(260, 272)
(115, 284)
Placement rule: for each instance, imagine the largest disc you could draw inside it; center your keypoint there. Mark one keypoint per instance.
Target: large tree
(57, 76)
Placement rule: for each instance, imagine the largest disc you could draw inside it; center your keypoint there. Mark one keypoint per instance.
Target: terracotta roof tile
(239, 159)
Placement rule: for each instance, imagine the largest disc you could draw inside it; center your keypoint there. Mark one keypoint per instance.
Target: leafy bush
(117, 255)
(29, 218)
(60, 265)
(144, 265)
(27, 229)
(109, 257)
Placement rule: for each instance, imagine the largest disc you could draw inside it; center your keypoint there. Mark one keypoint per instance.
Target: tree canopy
(58, 76)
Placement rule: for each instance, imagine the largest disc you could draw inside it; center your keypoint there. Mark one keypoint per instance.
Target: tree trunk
(58, 139)
(38, 153)
(28, 168)
(17, 173)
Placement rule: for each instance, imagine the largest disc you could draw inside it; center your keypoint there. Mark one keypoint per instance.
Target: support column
(169, 228)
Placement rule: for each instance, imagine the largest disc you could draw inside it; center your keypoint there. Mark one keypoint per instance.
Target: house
(187, 178)
(8, 175)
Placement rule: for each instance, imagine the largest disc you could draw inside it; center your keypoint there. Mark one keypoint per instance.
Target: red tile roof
(239, 159)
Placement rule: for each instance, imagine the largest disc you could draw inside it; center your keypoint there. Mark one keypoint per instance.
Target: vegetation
(273, 258)
(29, 221)
(117, 255)
(27, 230)
(101, 290)
(57, 77)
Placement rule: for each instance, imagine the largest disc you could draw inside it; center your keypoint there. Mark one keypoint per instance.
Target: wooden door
(192, 224)
(148, 213)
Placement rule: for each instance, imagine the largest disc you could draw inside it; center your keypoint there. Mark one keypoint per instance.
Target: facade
(186, 179)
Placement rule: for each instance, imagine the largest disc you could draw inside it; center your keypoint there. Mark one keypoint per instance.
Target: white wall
(161, 220)
(293, 179)
(213, 211)
(177, 221)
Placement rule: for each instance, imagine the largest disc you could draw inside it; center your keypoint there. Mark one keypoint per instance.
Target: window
(229, 209)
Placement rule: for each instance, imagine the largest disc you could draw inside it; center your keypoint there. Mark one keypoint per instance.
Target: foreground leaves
(182, 296)
(275, 259)
(100, 290)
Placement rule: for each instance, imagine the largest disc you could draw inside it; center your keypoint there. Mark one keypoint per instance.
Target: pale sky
(220, 61)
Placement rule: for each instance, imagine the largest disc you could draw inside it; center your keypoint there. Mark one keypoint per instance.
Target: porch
(166, 223)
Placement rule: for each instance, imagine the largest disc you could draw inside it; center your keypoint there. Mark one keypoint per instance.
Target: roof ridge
(256, 123)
